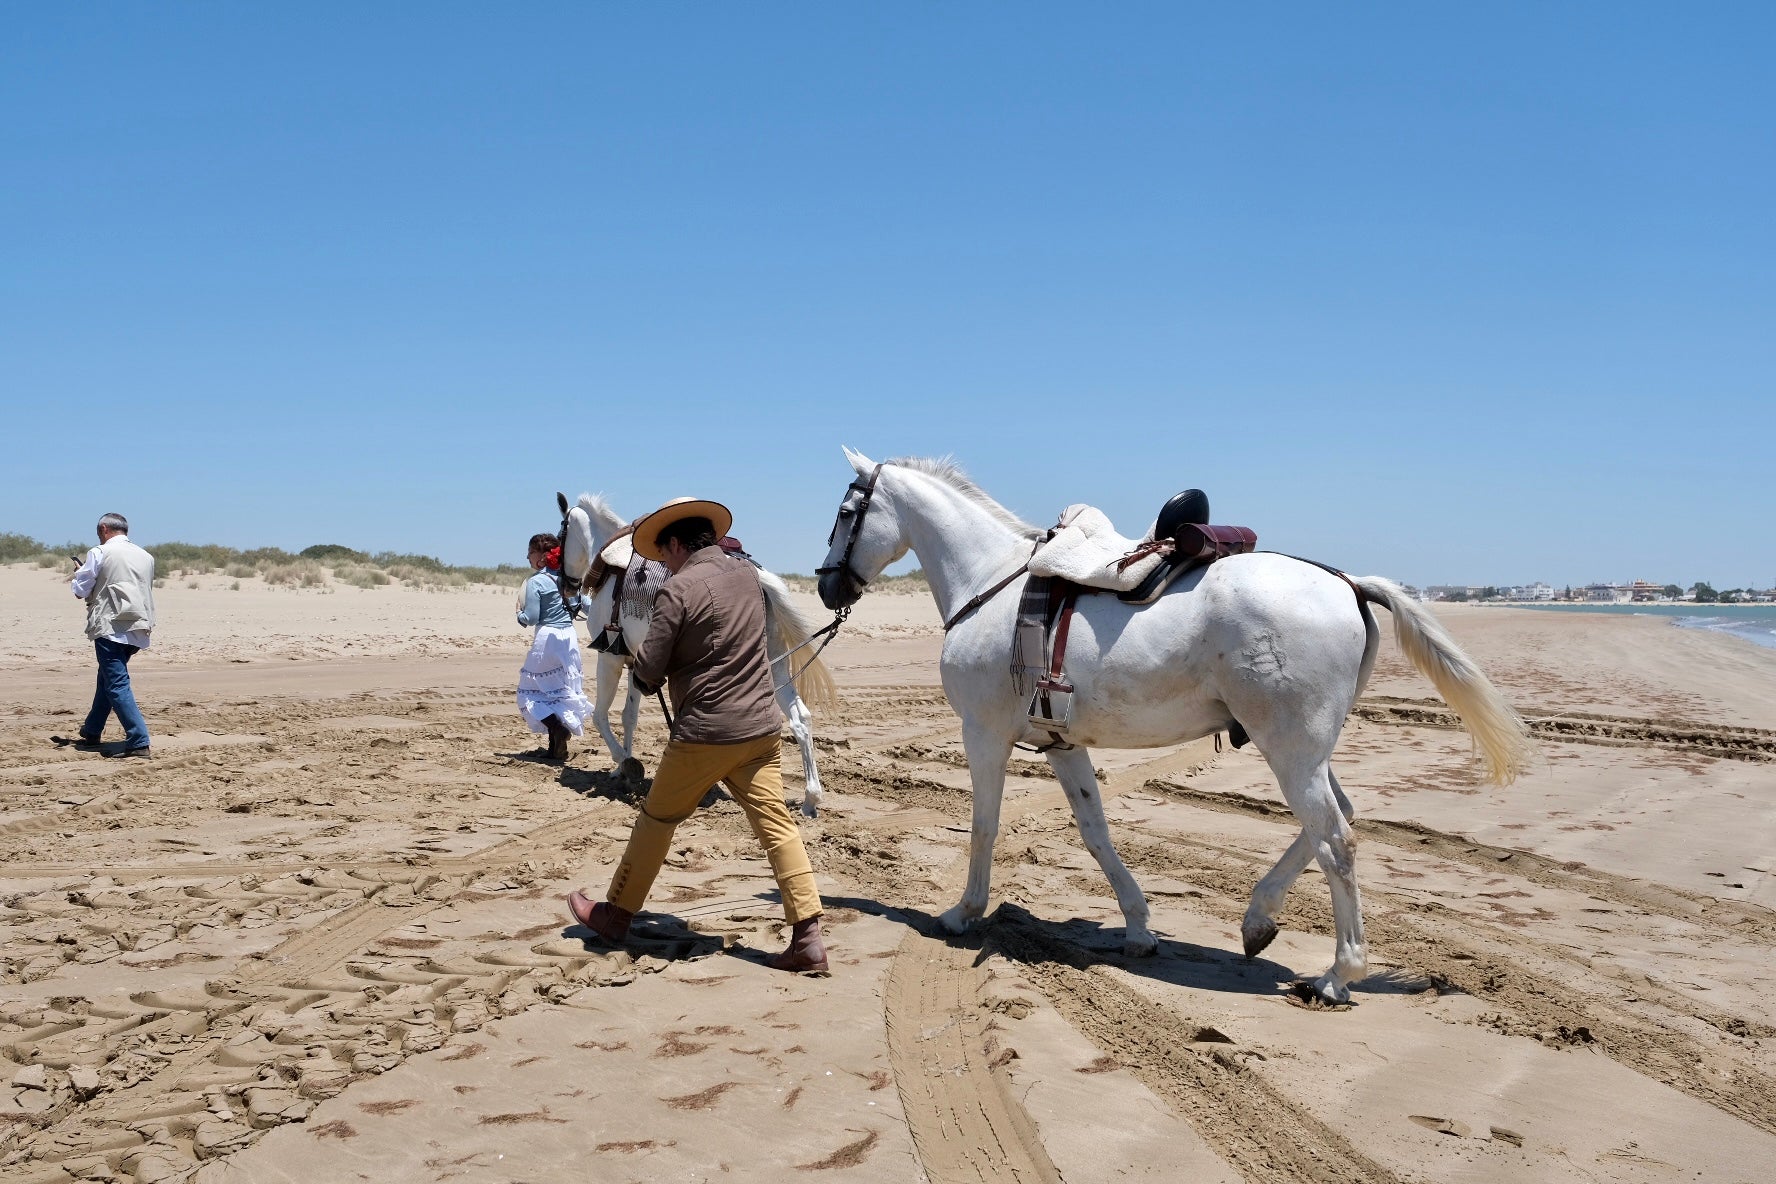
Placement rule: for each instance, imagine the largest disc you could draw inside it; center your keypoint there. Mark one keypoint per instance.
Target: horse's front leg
(987, 757)
(796, 712)
(1259, 928)
(629, 767)
(610, 672)
(1073, 768)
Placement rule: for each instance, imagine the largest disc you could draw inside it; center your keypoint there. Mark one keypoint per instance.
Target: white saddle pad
(618, 552)
(1086, 549)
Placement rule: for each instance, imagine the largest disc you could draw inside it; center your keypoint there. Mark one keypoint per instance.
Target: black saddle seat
(1190, 508)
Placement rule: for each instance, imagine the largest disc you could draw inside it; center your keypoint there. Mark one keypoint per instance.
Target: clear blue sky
(1448, 293)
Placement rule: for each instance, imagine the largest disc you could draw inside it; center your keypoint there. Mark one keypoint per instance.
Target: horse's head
(866, 537)
(577, 549)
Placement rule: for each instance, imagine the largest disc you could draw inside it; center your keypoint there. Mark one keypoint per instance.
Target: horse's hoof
(631, 770)
(955, 920)
(1323, 992)
(810, 808)
(1257, 936)
(1140, 945)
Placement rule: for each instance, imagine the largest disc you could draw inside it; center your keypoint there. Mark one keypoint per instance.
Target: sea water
(1753, 622)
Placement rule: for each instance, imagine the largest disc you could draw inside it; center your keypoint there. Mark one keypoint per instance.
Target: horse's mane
(605, 520)
(946, 469)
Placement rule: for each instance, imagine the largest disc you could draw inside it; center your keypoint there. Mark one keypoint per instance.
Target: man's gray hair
(115, 522)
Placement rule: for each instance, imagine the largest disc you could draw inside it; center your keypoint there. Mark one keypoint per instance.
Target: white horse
(1280, 645)
(587, 528)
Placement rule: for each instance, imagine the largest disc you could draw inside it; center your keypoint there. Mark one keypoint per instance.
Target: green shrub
(389, 560)
(333, 555)
(264, 557)
(14, 547)
(190, 556)
(505, 573)
(303, 573)
(242, 571)
(362, 577)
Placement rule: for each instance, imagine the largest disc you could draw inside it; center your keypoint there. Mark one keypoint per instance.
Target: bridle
(867, 492)
(569, 587)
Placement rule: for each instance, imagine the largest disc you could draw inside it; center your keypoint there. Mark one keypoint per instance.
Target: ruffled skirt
(551, 681)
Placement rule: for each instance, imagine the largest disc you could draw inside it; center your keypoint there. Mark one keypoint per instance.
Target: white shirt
(82, 584)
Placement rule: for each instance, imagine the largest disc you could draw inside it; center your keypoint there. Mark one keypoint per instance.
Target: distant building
(1609, 593)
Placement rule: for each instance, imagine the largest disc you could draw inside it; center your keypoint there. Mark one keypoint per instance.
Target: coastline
(1755, 623)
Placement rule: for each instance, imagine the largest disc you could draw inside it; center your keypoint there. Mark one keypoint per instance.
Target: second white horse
(798, 675)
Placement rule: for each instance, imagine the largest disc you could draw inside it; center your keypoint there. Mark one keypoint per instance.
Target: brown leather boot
(806, 953)
(606, 920)
(558, 736)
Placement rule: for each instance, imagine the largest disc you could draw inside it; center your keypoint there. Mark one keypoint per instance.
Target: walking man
(117, 583)
(707, 644)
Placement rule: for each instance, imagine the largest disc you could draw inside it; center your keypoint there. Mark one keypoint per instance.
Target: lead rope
(830, 631)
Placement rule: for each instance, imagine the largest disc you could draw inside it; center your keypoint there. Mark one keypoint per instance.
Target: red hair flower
(552, 560)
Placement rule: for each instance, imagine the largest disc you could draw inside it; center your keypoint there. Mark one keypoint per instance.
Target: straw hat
(647, 530)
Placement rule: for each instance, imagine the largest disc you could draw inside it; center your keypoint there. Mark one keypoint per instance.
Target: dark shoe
(79, 743)
(142, 752)
(558, 737)
(806, 953)
(606, 920)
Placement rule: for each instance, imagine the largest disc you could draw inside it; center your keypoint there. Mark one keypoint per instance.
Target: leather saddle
(1183, 534)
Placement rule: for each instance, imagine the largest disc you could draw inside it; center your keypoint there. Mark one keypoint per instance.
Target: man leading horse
(706, 643)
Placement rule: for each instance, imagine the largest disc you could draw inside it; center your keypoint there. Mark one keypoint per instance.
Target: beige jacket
(122, 596)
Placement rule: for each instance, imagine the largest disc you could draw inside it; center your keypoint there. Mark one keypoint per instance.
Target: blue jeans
(114, 695)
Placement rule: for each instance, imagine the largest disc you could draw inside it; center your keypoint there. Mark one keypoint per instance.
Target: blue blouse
(542, 602)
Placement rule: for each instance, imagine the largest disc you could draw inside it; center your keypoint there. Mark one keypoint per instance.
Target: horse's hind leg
(1307, 786)
(796, 712)
(987, 755)
(1259, 928)
(1073, 768)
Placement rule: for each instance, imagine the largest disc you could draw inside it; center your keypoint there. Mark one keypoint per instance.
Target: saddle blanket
(618, 552)
(1085, 549)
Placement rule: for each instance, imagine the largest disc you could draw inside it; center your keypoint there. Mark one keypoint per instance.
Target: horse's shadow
(1019, 936)
(607, 783)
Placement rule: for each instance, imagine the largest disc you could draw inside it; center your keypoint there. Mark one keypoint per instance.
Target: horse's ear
(861, 463)
(561, 500)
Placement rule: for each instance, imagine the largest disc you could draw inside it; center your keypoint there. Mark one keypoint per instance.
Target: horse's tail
(789, 629)
(1498, 731)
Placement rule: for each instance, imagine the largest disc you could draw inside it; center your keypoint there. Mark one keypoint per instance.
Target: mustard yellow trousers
(753, 771)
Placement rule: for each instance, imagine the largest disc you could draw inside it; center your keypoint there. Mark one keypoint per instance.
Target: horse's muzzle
(839, 589)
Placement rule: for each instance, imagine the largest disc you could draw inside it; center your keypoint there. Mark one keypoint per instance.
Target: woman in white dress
(551, 687)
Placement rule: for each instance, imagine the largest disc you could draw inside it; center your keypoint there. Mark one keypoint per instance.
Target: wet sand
(320, 936)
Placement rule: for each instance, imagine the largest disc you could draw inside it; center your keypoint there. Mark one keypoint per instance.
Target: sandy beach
(320, 936)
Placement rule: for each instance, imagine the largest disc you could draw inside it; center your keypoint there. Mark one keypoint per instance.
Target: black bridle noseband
(867, 492)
